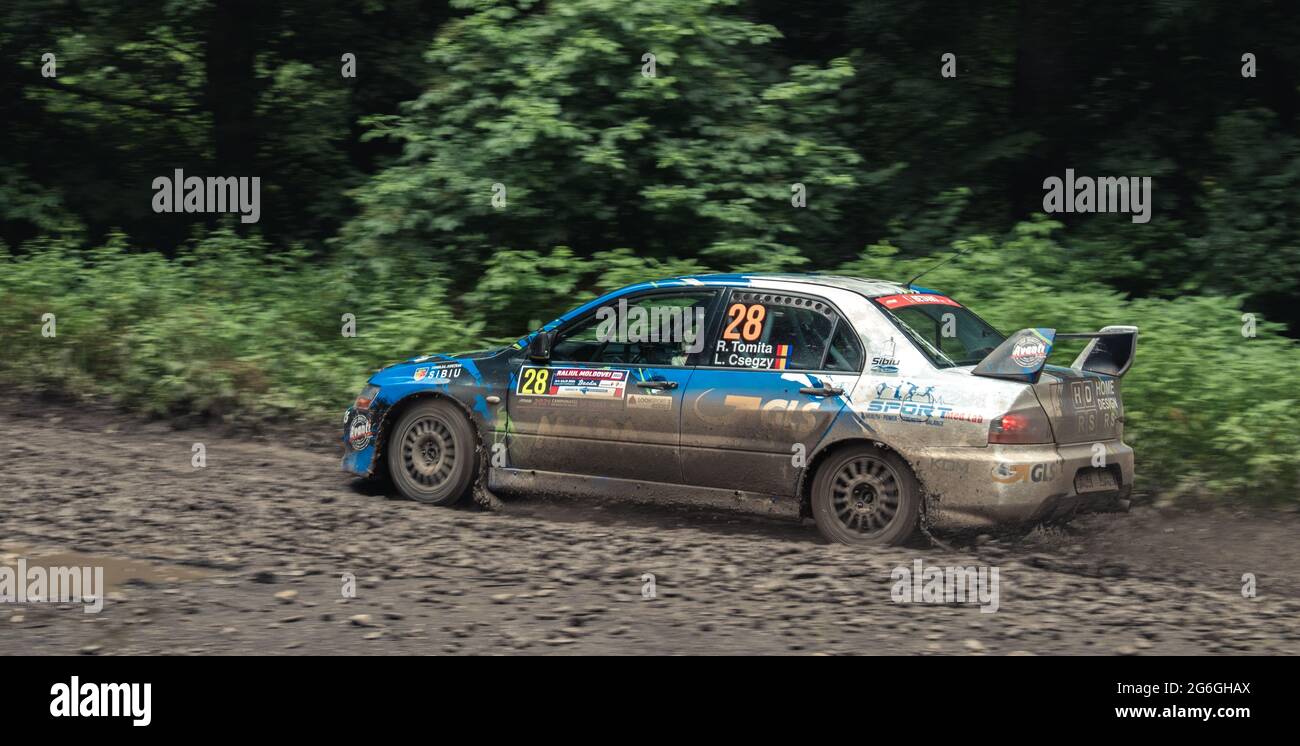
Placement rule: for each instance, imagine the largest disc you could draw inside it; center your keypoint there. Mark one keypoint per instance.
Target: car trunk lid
(1081, 406)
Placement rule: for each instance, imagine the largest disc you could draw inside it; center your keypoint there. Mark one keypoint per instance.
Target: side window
(774, 331)
(845, 353)
(656, 330)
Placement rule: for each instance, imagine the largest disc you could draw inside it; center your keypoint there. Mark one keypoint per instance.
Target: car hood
(405, 368)
(449, 356)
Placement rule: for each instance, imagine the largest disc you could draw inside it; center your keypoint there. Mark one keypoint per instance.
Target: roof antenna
(925, 272)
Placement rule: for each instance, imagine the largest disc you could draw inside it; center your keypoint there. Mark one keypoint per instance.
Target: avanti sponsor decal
(360, 432)
(1030, 351)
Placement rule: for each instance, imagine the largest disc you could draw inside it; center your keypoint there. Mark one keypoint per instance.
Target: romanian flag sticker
(782, 352)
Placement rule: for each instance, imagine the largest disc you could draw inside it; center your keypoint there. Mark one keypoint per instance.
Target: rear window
(945, 331)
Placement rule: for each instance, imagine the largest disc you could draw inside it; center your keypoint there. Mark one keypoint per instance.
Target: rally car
(878, 409)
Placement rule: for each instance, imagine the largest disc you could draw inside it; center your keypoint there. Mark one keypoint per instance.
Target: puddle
(118, 572)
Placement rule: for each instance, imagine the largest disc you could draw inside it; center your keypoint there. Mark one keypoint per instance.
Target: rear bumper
(1002, 484)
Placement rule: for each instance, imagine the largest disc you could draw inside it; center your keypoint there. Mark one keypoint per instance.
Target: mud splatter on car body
(792, 367)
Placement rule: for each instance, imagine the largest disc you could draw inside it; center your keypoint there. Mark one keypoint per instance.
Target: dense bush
(221, 332)
(232, 331)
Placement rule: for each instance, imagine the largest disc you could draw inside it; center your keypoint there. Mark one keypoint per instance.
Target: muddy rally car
(875, 408)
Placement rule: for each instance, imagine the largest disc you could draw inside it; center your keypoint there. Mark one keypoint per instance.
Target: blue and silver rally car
(873, 407)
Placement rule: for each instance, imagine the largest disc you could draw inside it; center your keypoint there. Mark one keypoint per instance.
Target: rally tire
(864, 495)
(432, 456)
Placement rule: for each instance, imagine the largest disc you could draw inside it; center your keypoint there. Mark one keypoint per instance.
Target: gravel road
(247, 555)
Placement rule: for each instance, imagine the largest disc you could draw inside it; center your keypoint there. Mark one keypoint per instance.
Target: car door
(774, 377)
(608, 403)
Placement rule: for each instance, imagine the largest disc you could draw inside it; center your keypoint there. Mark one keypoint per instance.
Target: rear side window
(845, 353)
(944, 331)
(775, 331)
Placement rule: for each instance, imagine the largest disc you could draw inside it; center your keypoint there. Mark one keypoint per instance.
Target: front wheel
(865, 495)
(431, 454)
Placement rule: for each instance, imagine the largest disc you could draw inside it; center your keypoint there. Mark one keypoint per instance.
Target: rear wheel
(865, 495)
(431, 453)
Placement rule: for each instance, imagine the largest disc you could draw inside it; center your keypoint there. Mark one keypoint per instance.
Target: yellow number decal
(533, 380)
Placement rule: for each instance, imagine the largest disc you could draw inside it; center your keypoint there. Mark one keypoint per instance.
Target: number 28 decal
(533, 380)
(749, 319)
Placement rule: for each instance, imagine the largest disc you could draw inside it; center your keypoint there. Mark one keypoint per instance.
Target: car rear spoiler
(1022, 356)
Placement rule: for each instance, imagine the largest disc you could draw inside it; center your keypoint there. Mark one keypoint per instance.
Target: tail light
(1024, 425)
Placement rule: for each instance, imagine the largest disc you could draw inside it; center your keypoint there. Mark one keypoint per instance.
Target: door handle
(821, 390)
(656, 384)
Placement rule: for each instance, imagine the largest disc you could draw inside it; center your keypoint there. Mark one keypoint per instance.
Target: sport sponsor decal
(915, 299)
(907, 411)
(574, 383)
(905, 401)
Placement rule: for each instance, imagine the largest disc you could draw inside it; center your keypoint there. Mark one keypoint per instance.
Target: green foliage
(552, 104)
(221, 332)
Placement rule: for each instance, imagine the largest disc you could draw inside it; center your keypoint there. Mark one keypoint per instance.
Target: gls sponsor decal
(1013, 473)
(103, 700)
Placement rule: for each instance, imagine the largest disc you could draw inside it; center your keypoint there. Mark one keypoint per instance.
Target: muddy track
(247, 554)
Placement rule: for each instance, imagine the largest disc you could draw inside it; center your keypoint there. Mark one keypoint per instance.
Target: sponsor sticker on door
(572, 383)
(650, 401)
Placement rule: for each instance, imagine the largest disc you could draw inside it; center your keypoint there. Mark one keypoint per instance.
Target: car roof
(865, 286)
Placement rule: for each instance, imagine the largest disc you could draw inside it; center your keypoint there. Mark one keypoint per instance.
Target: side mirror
(539, 347)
